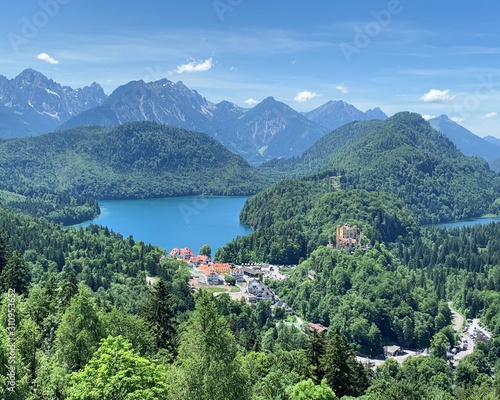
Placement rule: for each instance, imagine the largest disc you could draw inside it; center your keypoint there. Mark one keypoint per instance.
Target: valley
(344, 196)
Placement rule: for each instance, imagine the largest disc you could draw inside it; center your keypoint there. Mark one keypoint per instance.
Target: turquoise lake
(176, 221)
(466, 222)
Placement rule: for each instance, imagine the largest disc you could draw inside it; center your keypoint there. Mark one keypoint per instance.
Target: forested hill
(134, 160)
(294, 218)
(405, 156)
(320, 156)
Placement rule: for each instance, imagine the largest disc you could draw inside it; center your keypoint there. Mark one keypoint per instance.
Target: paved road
(458, 320)
(458, 324)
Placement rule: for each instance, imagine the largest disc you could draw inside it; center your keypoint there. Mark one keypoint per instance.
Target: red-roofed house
(186, 253)
(175, 252)
(206, 269)
(201, 259)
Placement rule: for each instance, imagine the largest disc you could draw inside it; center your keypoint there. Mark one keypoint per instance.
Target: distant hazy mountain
(31, 104)
(162, 101)
(376, 113)
(492, 139)
(495, 165)
(468, 143)
(273, 129)
(270, 129)
(334, 114)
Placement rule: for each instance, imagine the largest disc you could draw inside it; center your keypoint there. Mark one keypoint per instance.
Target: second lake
(190, 221)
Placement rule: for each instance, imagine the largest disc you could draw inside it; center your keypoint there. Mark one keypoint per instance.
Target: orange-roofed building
(175, 252)
(201, 259)
(205, 269)
(222, 268)
(186, 253)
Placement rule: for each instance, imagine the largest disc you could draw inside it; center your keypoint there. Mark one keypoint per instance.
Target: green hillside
(405, 156)
(296, 219)
(421, 166)
(56, 207)
(373, 174)
(320, 156)
(135, 160)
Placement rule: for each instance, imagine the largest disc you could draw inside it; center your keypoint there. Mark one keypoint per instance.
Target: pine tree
(160, 314)
(80, 331)
(343, 373)
(69, 289)
(15, 274)
(208, 364)
(315, 350)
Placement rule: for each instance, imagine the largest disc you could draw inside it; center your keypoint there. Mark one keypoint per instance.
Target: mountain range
(31, 104)
(334, 114)
(467, 142)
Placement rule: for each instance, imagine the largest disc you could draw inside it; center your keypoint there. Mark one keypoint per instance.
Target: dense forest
(54, 206)
(405, 156)
(136, 160)
(89, 314)
(295, 217)
(88, 326)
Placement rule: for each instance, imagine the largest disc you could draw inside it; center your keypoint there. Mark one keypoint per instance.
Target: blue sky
(430, 57)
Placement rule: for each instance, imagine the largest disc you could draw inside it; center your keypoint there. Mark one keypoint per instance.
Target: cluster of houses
(214, 273)
(187, 255)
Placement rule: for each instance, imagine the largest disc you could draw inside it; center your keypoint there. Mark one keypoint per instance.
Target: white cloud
(427, 117)
(251, 102)
(437, 96)
(305, 96)
(490, 115)
(195, 66)
(342, 89)
(45, 57)
(457, 119)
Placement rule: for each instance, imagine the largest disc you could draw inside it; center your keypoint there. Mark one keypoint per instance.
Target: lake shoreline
(178, 221)
(484, 219)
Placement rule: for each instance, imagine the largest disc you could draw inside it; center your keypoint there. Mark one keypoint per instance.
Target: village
(238, 281)
(246, 282)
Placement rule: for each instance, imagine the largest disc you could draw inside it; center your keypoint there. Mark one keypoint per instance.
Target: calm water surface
(466, 222)
(176, 221)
